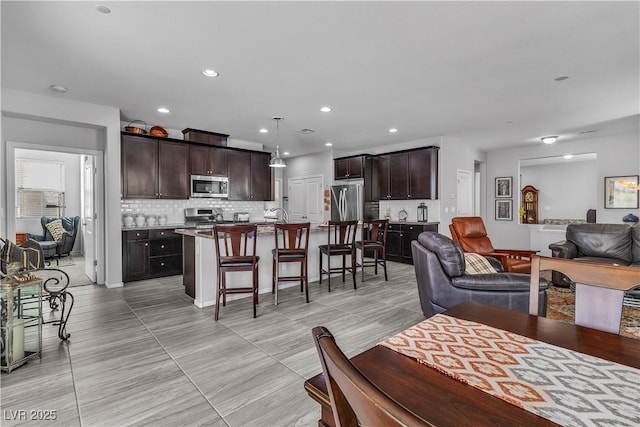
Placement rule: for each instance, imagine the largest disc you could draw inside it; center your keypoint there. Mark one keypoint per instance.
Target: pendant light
(277, 162)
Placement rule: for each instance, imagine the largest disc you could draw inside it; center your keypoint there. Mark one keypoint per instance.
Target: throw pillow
(28, 255)
(56, 229)
(477, 264)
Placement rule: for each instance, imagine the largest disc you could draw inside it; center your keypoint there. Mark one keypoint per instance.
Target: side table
(20, 322)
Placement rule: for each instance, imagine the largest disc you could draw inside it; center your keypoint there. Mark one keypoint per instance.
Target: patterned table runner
(562, 385)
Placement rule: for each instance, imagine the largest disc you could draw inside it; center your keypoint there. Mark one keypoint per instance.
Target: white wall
(552, 197)
(617, 154)
(72, 189)
(56, 121)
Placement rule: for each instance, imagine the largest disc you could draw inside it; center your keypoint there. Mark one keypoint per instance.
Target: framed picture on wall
(621, 192)
(503, 187)
(504, 210)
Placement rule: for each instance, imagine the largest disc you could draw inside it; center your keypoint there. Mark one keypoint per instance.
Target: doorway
(84, 192)
(464, 191)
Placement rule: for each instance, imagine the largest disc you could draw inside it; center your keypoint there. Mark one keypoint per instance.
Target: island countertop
(263, 230)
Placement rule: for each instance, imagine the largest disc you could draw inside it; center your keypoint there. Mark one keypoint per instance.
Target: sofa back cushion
(635, 242)
(601, 240)
(448, 252)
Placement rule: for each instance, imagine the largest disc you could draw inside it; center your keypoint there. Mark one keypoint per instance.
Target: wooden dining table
(444, 401)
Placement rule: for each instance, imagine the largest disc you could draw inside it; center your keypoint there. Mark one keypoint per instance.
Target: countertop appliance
(241, 217)
(209, 186)
(202, 217)
(347, 204)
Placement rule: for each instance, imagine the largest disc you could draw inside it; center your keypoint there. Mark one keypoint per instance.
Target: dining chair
(236, 251)
(374, 244)
(292, 246)
(354, 399)
(599, 288)
(469, 232)
(341, 236)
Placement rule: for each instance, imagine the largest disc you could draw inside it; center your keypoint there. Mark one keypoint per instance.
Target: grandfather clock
(529, 210)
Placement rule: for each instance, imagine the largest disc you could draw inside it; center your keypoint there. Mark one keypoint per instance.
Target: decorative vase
(630, 218)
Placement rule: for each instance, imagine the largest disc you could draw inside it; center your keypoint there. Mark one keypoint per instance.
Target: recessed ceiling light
(325, 109)
(561, 78)
(285, 153)
(210, 73)
(393, 130)
(568, 156)
(103, 9)
(163, 110)
(549, 139)
(264, 130)
(58, 88)
(328, 144)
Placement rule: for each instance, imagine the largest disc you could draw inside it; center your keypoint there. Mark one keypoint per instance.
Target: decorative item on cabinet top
(158, 131)
(205, 137)
(136, 129)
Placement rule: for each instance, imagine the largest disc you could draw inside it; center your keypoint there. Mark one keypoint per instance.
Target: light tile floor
(145, 355)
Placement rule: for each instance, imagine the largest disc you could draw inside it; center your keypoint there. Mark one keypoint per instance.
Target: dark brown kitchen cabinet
(249, 175)
(139, 167)
(150, 253)
(154, 169)
(348, 167)
(173, 167)
(399, 238)
(208, 161)
(411, 174)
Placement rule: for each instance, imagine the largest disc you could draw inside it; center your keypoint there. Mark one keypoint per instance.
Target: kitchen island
(200, 267)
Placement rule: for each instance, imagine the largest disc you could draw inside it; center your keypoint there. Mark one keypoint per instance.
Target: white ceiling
(480, 71)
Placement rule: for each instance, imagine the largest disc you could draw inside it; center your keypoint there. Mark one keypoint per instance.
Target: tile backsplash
(174, 209)
(411, 206)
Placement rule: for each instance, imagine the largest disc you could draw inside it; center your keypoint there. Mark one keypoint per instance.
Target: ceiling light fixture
(393, 130)
(103, 9)
(568, 156)
(210, 73)
(328, 144)
(549, 139)
(285, 153)
(277, 162)
(264, 130)
(163, 110)
(325, 109)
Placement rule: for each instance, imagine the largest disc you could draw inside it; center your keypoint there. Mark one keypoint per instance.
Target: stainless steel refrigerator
(348, 204)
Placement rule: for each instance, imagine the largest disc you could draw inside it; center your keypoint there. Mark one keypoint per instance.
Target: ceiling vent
(582, 132)
(306, 131)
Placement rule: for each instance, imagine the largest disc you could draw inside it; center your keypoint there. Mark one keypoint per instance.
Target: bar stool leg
(255, 290)
(353, 267)
(344, 265)
(217, 296)
(362, 261)
(306, 280)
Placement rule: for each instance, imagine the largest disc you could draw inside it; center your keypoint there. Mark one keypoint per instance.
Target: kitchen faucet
(285, 214)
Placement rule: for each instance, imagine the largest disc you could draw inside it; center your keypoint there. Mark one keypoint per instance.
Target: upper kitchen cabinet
(348, 167)
(154, 169)
(249, 175)
(208, 161)
(403, 175)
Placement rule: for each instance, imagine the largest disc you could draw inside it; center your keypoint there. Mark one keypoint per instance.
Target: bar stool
(292, 242)
(374, 244)
(341, 236)
(236, 251)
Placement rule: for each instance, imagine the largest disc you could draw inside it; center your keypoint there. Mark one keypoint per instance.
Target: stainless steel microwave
(209, 186)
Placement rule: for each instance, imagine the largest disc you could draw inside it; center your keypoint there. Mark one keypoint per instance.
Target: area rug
(66, 261)
(561, 306)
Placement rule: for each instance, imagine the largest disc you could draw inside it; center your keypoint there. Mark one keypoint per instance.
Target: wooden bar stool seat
(236, 251)
(341, 236)
(373, 244)
(292, 243)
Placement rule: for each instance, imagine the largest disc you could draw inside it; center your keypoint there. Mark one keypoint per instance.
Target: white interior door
(314, 199)
(296, 200)
(465, 193)
(89, 217)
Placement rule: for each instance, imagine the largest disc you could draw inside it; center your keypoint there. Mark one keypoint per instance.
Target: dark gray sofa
(599, 243)
(442, 284)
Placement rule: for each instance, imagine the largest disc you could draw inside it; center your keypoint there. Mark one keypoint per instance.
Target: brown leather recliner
(470, 234)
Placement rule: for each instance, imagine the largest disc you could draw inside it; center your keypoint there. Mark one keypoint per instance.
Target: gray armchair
(442, 283)
(50, 246)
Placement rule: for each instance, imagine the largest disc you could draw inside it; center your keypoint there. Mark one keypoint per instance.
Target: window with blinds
(39, 188)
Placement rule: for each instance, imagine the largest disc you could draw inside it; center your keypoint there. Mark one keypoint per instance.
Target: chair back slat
(235, 240)
(377, 230)
(342, 232)
(292, 236)
(354, 399)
